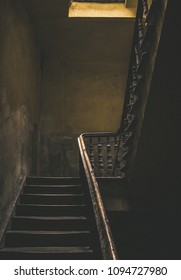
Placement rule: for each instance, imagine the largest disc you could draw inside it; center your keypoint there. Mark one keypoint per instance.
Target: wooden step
(46, 223)
(15, 238)
(49, 210)
(51, 199)
(59, 189)
(50, 222)
(53, 181)
(47, 253)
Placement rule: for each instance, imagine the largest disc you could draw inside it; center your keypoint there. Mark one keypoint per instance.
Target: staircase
(52, 220)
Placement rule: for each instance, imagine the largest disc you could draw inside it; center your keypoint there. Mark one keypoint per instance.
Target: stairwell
(51, 220)
(54, 218)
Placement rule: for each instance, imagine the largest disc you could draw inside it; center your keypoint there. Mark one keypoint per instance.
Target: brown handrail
(108, 247)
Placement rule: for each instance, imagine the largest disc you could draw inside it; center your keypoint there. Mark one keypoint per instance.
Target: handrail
(100, 134)
(108, 247)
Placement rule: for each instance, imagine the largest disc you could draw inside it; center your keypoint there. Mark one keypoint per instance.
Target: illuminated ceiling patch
(101, 8)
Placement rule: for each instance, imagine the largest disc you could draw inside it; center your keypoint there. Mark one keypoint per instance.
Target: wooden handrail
(100, 134)
(108, 247)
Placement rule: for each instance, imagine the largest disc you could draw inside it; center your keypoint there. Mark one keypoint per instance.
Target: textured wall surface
(83, 85)
(19, 96)
(76, 99)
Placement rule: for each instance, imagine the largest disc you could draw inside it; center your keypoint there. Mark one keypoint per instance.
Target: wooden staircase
(52, 220)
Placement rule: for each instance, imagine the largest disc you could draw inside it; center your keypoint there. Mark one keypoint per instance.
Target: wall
(77, 98)
(19, 96)
(84, 79)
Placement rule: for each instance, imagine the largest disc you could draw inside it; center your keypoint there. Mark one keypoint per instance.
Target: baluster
(128, 138)
(139, 85)
(125, 152)
(125, 122)
(91, 153)
(142, 64)
(137, 58)
(140, 31)
(117, 167)
(123, 165)
(100, 159)
(145, 6)
(109, 159)
(131, 88)
(134, 76)
(133, 100)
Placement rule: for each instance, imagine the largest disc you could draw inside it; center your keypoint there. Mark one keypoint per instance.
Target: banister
(108, 247)
(107, 154)
(99, 134)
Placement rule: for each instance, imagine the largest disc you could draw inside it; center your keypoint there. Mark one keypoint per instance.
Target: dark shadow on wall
(19, 97)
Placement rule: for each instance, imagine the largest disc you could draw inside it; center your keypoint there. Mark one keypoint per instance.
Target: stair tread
(52, 177)
(52, 189)
(51, 205)
(50, 220)
(48, 232)
(51, 195)
(47, 249)
(52, 217)
(56, 186)
(52, 180)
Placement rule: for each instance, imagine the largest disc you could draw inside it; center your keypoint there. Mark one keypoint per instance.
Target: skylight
(101, 8)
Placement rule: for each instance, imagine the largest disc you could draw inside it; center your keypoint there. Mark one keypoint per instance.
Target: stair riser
(27, 210)
(52, 181)
(51, 200)
(33, 240)
(42, 256)
(52, 190)
(50, 222)
(33, 224)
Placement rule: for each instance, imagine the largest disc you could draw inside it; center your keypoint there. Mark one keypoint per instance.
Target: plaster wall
(77, 98)
(19, 96)
(84, 79)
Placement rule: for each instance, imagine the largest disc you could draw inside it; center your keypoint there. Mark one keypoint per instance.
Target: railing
(106, 154)
(143, 35)
(107, 246)
(109, 151)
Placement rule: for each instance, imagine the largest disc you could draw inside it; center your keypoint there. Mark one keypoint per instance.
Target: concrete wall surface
(19, 95)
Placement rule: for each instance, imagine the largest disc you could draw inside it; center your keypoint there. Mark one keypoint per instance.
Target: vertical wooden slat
(109, 159)
(91, 153)
(117, 168)
(101, 171)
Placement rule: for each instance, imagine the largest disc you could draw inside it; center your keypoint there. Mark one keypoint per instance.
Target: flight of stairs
(52, 220)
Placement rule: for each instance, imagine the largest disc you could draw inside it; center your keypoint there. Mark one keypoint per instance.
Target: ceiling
(46, 8)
